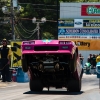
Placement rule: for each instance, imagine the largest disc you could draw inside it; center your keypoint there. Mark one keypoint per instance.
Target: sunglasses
(4, 41)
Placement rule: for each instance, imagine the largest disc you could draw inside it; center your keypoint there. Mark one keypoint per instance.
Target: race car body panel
(52, 63)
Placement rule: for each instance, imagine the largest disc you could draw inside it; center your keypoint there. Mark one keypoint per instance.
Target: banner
(80, 10)
(16, 55)
(87, 44)
(79, 28)
(90, 10)
(77, 33)
(79, 23)
(91, 23)
(66, 23)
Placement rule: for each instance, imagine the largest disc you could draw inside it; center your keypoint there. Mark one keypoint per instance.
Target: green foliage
(38, 9)
(47, 35)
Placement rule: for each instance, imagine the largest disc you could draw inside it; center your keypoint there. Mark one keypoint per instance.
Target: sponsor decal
(78, 31)
(46, 40)
(62, 36)
(90, 10)
(83, 28)
(91, 23)
(79, 37)
(82, 43)
(93, 10)
(86, 44)
(61, 31)
(78, 23)
(66, 23)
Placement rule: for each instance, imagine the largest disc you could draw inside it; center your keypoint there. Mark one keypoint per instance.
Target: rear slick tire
(35, 85)
(74, 63)
(74, 86)
(24, 65)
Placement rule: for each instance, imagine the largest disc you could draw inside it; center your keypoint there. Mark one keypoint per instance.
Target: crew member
(94, 61)
(5, 53)
(90, 60)
(81, 59)
(98, 58)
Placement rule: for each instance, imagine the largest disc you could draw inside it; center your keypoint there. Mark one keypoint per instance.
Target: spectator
(94, 60)
(98, 58)
(89, 59)
(5, 53)
(0, 76)
(81, 59)
(0, 69)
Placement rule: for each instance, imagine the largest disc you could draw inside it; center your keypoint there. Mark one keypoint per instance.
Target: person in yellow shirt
(98, 58)
(5, 53)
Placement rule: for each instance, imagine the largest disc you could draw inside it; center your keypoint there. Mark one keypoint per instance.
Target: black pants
(0, 74)
(5, 71)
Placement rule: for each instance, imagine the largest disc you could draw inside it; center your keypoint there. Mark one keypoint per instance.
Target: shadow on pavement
(55, 93)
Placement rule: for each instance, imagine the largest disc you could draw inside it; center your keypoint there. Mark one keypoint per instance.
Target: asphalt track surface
(20, 91)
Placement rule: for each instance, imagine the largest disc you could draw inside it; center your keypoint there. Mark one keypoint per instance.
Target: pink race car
(52, 63)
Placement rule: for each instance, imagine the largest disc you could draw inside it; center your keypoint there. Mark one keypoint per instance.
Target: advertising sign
(87, 44)
(79, 23)
(66, 23)
(15, 3)
(79, 28)
(77, 33)
(93, 23)
(90, 10)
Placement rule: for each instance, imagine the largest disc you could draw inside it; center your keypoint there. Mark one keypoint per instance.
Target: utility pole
(12, 20)
(43, 19)
(58, 6)
(38, 32)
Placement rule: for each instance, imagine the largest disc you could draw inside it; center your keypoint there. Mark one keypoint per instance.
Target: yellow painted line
(3, 84)
(7, 84)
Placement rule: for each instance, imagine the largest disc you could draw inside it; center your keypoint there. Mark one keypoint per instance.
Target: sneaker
(3, 81)
(9, 81)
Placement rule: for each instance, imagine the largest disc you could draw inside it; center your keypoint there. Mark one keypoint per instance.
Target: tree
(38, 9)
(48, 9)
